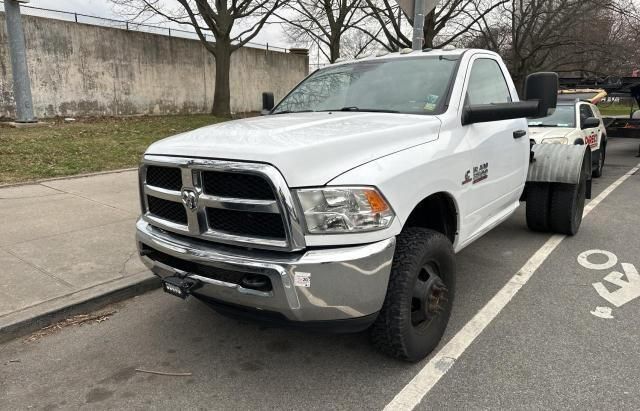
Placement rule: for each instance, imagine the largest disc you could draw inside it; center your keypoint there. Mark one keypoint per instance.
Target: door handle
(519, 133)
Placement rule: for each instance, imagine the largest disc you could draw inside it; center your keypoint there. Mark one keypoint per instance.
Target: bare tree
(233, 23)
(322, 23)
(449, 23)
(585, 37)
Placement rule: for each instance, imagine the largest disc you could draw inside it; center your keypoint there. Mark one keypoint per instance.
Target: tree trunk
(429, 29)
(222, 95)
(334, 50)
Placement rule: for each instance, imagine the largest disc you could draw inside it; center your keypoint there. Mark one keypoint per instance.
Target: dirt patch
(75, 321)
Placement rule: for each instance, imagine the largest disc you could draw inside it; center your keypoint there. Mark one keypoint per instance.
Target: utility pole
(21, 82)
(418, 9)
(418, 25)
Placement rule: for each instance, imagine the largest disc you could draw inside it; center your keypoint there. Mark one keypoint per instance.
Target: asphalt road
(544, 350)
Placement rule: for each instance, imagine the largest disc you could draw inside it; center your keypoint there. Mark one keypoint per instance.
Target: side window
(585, 112)
(487, 84)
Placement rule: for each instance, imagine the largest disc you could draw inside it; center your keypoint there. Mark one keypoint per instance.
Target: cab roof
(408, 53)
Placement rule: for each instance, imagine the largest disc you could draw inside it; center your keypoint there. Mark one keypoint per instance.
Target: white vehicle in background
(574, 121)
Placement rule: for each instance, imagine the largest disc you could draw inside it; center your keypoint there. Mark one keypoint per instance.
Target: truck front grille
(167, 210)
(246, 186)
(234, 203)
(245, 223)
(169, 178)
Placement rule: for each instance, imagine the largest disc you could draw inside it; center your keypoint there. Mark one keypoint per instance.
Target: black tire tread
(563, 206)
(389, 328)
(597, 171)
(538, 206)
(567, 204)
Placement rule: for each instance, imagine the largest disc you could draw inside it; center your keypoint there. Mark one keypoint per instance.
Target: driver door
(499, 149)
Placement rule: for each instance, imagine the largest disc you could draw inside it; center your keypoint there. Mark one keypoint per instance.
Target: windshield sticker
(563, 124)
(432, 101)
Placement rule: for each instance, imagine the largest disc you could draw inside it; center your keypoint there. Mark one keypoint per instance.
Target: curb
(71, 177)
(34, 318)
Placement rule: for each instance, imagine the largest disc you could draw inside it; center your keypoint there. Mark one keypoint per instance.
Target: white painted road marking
(628, 290)
(444, 359)
(603, 312)
(583, 260)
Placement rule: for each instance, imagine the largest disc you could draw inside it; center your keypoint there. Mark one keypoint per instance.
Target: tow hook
(180, 287)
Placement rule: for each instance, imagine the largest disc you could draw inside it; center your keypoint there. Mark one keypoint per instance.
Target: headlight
(344, 209)
(555, 140)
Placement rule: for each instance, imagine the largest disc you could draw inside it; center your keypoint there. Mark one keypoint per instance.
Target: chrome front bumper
(343, 283)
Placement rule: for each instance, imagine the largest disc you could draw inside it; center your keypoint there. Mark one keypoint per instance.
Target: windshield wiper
(370, 110)
(293, 111)
(543, 125)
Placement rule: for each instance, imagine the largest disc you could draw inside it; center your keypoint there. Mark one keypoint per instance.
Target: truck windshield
(399, 85)
(564, 116)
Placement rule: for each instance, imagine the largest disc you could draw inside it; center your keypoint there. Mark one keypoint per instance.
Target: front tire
(597, 171)
(419, 297)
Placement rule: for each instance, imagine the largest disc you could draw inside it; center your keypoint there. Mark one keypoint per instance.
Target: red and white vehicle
(573, 122)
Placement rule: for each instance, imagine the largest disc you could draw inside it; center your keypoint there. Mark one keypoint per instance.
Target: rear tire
(567, 205)
(419, 297)
(538, 198)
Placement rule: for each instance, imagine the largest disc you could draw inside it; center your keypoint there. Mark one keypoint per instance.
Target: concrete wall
(78, 69)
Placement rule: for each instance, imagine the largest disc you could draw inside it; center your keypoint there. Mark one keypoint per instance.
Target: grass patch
(615, 110)
(85, 146)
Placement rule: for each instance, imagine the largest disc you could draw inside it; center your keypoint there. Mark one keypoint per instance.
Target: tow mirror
(590, 122)
(541, 96)
(268, 103)
(542, 87)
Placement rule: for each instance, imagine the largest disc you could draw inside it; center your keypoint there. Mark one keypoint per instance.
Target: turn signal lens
(377, 203)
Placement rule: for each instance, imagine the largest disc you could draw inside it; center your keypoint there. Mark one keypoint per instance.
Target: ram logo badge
(190, 199)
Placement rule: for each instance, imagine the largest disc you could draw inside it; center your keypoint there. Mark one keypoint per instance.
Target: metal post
(76, 16)
(21, 82)
(418, 25)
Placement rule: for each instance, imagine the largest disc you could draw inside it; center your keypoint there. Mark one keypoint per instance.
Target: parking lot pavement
(544, 350)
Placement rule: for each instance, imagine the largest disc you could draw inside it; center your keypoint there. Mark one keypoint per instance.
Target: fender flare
(558, 163)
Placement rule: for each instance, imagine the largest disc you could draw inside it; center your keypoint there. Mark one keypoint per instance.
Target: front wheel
(419, 297)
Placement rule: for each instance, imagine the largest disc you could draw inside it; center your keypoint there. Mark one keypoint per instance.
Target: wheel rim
(430, 297)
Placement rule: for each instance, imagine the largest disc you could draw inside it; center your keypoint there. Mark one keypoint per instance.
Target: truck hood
(540, 133)
(308, 148)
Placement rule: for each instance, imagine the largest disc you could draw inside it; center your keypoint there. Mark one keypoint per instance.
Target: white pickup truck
(343, 207)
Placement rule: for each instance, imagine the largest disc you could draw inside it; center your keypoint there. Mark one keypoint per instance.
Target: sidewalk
(66, 244)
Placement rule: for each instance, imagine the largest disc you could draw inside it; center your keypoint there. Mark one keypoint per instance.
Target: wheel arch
(438, 211)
